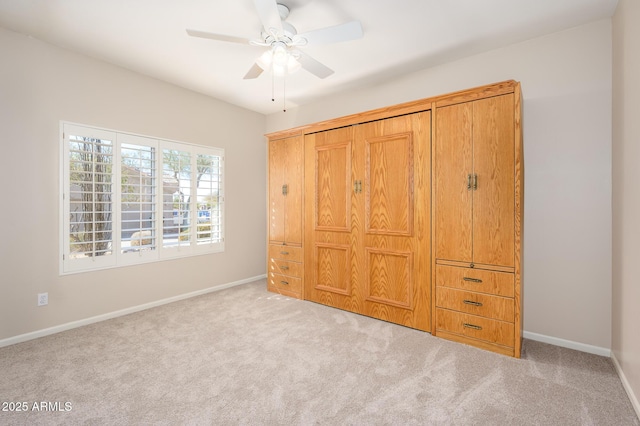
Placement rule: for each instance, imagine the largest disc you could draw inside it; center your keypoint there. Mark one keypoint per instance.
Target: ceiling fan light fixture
(279, 60)
(279, 54)
(265, 60)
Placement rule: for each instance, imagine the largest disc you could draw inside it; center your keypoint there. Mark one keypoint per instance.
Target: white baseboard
(626, 385)
(75, 324)
(583, 347)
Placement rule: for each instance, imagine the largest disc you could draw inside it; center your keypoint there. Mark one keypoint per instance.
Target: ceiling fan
(283, 40)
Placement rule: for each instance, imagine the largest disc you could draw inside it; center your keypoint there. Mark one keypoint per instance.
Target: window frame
(118, 257)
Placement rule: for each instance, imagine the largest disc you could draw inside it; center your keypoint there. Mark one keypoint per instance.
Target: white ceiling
(148, 36)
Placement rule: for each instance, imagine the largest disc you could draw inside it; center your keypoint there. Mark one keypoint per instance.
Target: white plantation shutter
(210, 199)
(88, 198)
(138, 198)
(131, 199)
(177, 191)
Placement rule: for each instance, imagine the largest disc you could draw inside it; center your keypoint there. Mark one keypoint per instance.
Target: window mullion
(117, 202)
(193, 199)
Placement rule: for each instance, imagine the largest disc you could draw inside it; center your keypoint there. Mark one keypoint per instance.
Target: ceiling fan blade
(343, 32)
(219, 37)
(269, 15)
(254, 72)
(313, 66)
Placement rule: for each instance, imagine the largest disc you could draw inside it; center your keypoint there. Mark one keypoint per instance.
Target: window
(130, 199)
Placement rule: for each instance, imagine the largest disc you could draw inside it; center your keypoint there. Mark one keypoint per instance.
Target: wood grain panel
(293, 199)
(333, 182)
(493, 162)
(333, 268)
(389, 184)
(484, 305)
(285, 206)
(406, 108)
(482, 344)
(289, 286)
(277, 178)
(283, 267)
(330, 274)
(453, 196)
(286, 252)
(390, 277)
(519, 217)
(417, 242)
(476, 93)
(478, 280)
(489, 330)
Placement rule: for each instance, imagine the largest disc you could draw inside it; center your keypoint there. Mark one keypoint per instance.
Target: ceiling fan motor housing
(283, 11)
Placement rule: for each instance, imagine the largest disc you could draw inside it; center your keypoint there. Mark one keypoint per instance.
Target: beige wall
(626, 193)
(566, 83)
(41, 85)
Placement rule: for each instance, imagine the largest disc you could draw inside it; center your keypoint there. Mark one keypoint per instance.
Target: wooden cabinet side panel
(452, 178)
(494, 169)
(519, 217)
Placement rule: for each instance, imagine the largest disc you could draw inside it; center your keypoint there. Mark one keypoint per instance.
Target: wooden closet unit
(285, 252)
(477, 219)
(411, 214)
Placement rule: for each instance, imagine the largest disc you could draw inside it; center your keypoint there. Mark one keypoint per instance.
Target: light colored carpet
(246, 356)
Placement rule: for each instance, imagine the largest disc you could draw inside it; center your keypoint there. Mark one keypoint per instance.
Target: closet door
(367, 247)
(393, 260)
(494, 169)
(453, 186)
(277, 201)
(285, 191)
(329, 230)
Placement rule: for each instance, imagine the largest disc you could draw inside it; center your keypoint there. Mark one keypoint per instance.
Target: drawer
(288, 285)
(489, 330)
(484, 305)
(478, 280)
(285, 267)
(283, 252)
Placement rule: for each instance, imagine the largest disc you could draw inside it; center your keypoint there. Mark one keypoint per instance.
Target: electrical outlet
(43, 299)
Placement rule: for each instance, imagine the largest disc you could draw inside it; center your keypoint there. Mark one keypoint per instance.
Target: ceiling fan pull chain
(284, 93)
(273, 90)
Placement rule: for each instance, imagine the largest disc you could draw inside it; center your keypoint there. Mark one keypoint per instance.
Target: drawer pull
(284, 268)
(473, 280)
(284, 252)
(284, 282)
(471, 302)
(475, 327)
